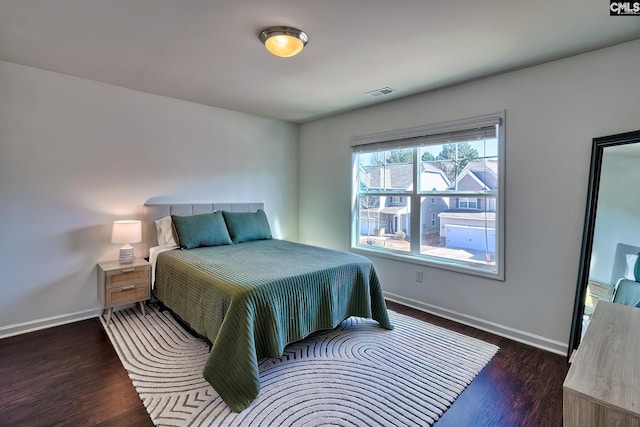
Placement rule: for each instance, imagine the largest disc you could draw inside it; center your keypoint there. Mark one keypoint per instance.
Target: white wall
(76, 155)
(552, 113)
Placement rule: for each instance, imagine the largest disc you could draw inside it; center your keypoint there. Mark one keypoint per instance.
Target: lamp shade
(283, 41)
(126, 231)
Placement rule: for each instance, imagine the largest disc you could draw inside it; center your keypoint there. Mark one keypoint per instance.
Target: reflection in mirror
(609, 269)
(616, 237)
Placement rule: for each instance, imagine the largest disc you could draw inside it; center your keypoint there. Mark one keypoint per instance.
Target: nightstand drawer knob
(128, 270)
(126, 288)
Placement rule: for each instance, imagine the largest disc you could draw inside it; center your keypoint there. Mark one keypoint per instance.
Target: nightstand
(120, 284)
(597, 292)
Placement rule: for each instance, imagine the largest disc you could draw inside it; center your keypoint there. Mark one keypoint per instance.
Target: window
(443, 181)
(467, 203)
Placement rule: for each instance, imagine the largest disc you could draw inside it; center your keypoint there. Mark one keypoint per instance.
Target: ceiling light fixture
(283, 41)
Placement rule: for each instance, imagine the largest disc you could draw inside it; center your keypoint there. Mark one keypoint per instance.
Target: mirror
(611, 236)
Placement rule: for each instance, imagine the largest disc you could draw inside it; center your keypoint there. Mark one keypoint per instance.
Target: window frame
(402, 139)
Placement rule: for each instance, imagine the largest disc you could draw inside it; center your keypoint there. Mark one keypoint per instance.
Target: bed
(253, 295)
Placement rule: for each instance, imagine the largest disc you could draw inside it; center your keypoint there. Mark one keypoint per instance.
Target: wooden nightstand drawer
(120, 284)
(127, 276)
(601, 291)
(127, 294)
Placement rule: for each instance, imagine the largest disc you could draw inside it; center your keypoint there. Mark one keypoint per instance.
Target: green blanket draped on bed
(252, 299)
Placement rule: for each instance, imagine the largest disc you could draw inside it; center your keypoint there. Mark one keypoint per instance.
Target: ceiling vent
(381, 92)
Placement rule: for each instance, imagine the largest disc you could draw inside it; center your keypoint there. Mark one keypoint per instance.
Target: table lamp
(126, 231)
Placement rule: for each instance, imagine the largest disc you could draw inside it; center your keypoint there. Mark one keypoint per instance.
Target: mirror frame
(597, 151)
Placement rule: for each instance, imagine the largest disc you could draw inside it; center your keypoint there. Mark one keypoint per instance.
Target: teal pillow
(636, 270)
(247, 226)
(201, 230)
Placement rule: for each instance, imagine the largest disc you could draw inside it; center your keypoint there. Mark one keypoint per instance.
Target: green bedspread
(252, 299)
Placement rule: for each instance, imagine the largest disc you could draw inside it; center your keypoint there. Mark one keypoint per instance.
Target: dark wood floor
(521, 385)
(66, 376)
(71, 376)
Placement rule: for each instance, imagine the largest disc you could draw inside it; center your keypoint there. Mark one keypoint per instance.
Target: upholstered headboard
(620, 260)
(153, 212)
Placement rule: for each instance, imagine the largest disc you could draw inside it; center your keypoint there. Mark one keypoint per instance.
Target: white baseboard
(495, 328)
(48, 322)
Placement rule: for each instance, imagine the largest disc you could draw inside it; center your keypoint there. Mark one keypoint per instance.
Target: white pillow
(164, 228)
(629, 273)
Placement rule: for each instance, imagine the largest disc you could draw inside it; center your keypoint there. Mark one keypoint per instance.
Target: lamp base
(126, 255)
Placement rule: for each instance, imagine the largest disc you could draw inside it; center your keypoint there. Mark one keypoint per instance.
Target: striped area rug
(355, 375)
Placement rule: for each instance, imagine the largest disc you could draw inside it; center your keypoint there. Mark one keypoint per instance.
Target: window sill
(429, 262)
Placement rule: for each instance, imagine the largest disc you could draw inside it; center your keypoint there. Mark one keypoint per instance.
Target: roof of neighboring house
(432, 178)
(393, 176)
(399, 176)
(477, 175)
(428, 167)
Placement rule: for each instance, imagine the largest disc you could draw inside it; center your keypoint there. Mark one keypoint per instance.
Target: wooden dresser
(602, 387)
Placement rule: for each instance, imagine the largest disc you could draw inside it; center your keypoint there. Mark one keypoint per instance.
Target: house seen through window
(433, 195)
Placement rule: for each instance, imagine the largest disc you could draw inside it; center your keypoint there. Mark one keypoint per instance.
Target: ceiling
(207, 51)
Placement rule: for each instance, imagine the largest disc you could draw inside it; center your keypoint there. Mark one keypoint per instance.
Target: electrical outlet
(418, 276)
